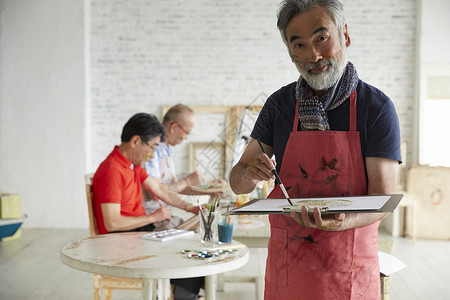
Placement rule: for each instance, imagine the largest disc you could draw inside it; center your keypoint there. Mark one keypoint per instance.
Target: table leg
(160, 289)
(163, 289)
(167, 290)
(147, 289)
(210, 287)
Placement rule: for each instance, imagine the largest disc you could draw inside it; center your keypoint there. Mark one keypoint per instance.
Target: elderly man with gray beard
(332, 135)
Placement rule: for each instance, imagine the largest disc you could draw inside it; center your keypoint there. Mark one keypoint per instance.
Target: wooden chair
(107, 283)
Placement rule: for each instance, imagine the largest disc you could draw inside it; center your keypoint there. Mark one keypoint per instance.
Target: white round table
(128, 255)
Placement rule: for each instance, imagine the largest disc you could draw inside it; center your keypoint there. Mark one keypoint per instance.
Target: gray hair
(291, 8)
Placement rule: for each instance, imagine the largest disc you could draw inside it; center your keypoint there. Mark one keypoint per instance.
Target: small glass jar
(208, 227)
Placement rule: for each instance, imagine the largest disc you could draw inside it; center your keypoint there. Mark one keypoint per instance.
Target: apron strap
(295, 128)
(353, 111)
(353, 118)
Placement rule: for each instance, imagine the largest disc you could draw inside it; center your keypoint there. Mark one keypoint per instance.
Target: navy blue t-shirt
(377, 122)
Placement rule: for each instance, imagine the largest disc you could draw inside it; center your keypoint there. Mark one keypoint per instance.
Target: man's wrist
(188, 208)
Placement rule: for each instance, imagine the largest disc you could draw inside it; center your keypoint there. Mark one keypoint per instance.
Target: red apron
(326, 265)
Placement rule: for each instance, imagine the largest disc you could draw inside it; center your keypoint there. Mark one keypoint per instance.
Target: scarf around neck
(312, 109)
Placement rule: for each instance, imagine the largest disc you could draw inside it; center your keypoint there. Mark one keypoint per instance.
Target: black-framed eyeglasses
(152, 147)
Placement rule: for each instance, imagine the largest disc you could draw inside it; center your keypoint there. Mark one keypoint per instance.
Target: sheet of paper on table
(167, 235)
(364, 204)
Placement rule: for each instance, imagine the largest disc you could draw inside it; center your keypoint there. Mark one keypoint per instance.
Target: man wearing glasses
(118, 180)
(178, 123)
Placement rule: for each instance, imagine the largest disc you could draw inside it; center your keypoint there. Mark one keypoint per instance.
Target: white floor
(30, 269)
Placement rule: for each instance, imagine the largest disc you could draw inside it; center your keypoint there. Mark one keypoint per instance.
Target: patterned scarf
(312, 109)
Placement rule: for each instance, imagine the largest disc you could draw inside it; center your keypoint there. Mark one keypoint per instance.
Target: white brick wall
(383, 49)
(145, 54)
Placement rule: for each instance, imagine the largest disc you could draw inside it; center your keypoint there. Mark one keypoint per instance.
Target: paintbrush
(274, 171)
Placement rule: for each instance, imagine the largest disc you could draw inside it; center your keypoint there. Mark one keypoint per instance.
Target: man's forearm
(176, 201)
(122, 223)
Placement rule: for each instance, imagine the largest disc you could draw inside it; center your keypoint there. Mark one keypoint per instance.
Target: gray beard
(327, 79)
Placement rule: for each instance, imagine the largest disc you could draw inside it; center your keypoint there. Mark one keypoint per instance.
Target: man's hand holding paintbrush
(259, 167)
(274, 171)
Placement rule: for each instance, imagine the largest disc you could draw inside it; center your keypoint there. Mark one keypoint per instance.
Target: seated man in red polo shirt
(118, 195)
(117, 183)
